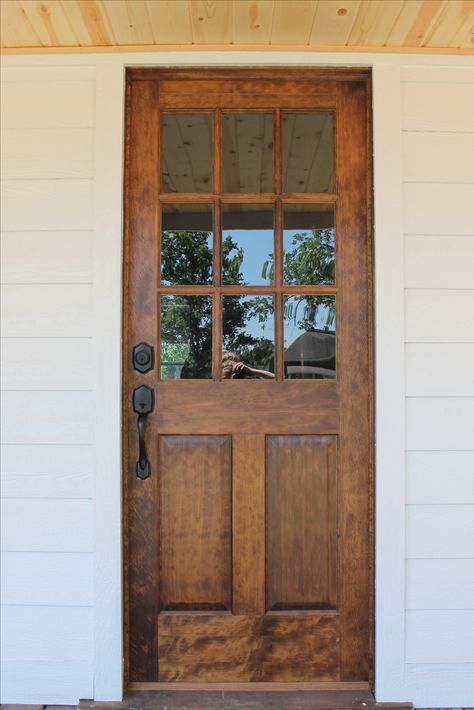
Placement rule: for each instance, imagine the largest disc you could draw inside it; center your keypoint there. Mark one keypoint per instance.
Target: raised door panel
(301, 522)
(195, 504)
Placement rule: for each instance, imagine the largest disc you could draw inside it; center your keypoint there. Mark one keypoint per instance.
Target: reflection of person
(234, 369)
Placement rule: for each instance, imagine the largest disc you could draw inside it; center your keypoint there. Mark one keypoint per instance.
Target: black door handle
(142, 405)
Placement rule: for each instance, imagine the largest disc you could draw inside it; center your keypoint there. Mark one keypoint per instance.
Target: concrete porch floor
(233, 700)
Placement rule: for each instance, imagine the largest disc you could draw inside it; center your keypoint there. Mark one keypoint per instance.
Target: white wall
(62, 129)
(438, 227)
(48, 118)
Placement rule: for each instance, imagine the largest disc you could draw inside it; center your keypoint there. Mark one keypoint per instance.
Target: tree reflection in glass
(186, 337)
(186, 244)
(248, 332)
(309, 248)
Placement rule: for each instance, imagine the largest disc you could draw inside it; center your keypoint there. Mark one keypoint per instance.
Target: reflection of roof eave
(312, 346)
(305, 370)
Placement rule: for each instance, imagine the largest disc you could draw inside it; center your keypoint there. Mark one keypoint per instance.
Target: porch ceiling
(108, 25)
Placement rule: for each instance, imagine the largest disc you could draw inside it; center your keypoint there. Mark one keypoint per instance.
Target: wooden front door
(247, 259)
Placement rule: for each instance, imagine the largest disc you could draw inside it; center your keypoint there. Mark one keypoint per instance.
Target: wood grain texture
(142, 548)
(353, 367)
(263, 24)
(195, 522)
(248, 524)
(301, 519)
(177, 644)
(242, 648)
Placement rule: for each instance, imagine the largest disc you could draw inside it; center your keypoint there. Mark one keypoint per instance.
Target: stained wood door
(247, 548)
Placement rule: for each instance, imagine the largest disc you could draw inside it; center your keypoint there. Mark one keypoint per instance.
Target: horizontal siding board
(60, 579)
(31, 205)
(433, 208)
(52, 682)
(46, 311)
(440, 684)
(439, 636)
(446, 106)
(440, 584)
(438, 157)
(439, 316)
(46, 417)
(440, 477)
(45, 73)
(41, 471)
(53, 525)
(58, 153)
(439, 423)
(48, 104)
(439, 369)
(427, 74)
(41, 633)
(440, 531)
(46, 364)
(449, 262)
(53, 257)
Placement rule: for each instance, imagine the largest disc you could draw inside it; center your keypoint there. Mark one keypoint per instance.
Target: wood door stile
(247, 551)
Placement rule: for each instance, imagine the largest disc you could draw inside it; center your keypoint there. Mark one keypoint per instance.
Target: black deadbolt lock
(143, 359)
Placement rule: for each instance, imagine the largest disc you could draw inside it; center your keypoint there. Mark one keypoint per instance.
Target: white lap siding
(438, 215)
(62, 140)
(48, 119)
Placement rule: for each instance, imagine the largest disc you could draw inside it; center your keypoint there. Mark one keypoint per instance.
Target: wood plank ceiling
(375, 25)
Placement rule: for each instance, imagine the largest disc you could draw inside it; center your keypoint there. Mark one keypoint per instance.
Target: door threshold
(218, 696)
(290, 686)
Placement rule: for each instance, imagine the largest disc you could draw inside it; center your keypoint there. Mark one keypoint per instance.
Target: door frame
(256, 73)
(390, 679)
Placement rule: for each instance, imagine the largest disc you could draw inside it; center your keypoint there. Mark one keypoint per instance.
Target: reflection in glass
(247, 152)
(186, 337)
(247, 244)
(186, 244)
(187, 152)
(248, 331)
(310, 337)
(309, 244)
(308, 152)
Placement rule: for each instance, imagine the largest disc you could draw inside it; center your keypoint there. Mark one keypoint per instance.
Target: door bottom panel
(248, 648)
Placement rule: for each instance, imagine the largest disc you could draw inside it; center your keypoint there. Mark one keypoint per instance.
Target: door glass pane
(248, 337)
(247, 152)
(186, 244)
(310, 337)
(309, 248)
(247, 244)
(187, 152)
(186, 337)
(308, 152)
